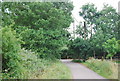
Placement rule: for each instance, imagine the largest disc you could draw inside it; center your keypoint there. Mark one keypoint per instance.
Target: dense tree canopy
(42, 26)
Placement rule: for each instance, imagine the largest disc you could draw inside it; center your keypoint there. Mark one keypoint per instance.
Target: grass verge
(54, 70)
(57, 71)
(104, 68)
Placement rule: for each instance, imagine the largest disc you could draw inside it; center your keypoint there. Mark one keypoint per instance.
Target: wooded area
(100, 35)
(35, 35)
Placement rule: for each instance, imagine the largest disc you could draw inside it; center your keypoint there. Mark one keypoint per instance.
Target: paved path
(81, 72)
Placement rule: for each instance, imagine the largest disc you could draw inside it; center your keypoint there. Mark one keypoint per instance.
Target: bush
(22, 64)
(78, 61)
(11, 66)
(111, 46)
(33, 65)
(118, 45)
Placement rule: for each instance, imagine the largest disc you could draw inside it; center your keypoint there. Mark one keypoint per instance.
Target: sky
(98, 3)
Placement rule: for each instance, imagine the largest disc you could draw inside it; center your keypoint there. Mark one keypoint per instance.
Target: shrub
(11, 66)
(118, 45)
(111, 46)
(77, 61)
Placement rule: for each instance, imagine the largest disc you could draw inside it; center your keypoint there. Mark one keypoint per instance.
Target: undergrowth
(35, 68)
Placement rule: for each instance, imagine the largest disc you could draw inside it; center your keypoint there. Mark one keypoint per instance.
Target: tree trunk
(91, 31)
(102, 58)
(104, 55)
(111, 58)
(84, 58)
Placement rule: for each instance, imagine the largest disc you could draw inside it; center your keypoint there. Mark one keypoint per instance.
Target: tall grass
(105, 68)
(49, 69)
(57, 70)
(44, 68)
(36, 68)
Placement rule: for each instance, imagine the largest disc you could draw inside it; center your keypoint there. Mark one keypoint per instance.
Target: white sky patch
(98, 3)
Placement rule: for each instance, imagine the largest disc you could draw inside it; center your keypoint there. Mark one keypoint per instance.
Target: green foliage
(118, 28)
(77, 61)
(96, 41)
(81, 48)
(90, 14)
(100, 26)
(118, 45)
(111, 46)
(11, 59)
(35, 67)
(42, 26)
(107, 22)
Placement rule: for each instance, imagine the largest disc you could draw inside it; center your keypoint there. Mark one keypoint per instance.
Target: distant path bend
(81, 72)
